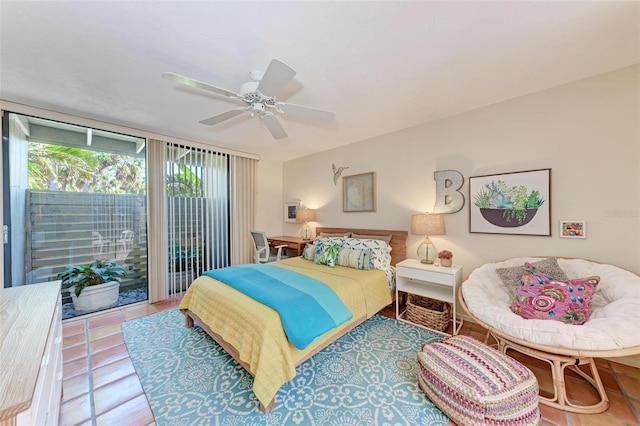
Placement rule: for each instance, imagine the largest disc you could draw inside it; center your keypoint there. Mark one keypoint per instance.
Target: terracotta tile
(76, 339)
(621, 408)
(76, 410)
(74, 352)
(545, 381)
(75, 386)
(106, 342)
(609, 381)
(112, 372)
(165, 304)
(109, 355)
(595, 420)
(104, 320)
(552, 415)
(73, 327)
(133, 412)
(75, 367)
(602, 364)
(138, 311)
(580, 391)
(116, 393)
(626, 370)
(104, 331)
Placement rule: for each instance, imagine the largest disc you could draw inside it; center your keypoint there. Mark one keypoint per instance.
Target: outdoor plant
(445, 254)
(98, 272)
(514, 200)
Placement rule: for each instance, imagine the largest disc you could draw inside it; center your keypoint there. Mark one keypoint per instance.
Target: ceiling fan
(259, 97)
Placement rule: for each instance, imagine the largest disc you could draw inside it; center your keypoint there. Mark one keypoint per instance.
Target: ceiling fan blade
(199, 84)
(223, 116)
(274, 126)
(277, 75)
(306, 112)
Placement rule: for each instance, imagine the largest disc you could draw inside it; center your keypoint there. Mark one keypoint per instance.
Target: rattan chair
(611, 330)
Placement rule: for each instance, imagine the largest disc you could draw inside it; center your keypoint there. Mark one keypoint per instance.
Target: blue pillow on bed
(327, 254)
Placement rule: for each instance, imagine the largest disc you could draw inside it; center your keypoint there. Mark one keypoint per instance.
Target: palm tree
(61, 165)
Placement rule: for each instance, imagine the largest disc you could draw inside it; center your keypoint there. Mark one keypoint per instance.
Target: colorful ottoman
(475, 384)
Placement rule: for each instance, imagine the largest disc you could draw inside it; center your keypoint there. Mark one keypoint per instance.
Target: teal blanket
(308, 308)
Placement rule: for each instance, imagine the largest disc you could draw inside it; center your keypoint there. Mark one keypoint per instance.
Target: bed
(252, 333)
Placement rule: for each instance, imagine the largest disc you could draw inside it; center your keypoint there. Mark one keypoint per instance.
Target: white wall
(269, 202)
(586, 132)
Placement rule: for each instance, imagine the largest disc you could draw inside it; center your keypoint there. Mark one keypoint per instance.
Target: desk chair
(262, 252)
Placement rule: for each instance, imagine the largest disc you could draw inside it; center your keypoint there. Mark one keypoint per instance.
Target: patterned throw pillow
(566, 301)
(380, 251)
(512, 277)
(358, 259)
(327, 254)
(385, 238)
(531, 275)
(309, 251)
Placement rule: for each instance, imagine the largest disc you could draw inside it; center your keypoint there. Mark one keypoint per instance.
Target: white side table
(435, 282)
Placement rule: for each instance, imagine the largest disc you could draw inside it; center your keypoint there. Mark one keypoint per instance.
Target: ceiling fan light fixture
(258, 95)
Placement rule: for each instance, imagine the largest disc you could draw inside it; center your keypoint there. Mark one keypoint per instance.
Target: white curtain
(157, 220)
(243, 202)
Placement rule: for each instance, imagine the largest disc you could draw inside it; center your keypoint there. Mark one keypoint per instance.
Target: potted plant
(446, 257)
(95, 285)
(507, 206)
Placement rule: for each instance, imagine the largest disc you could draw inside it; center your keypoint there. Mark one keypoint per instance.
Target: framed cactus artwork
(517, 203)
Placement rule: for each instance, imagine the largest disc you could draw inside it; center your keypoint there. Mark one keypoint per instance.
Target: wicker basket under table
(431, 313)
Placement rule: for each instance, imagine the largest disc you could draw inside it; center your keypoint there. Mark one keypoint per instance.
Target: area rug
(367, 377)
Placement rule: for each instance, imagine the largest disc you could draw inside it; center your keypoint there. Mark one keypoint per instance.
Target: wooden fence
(71, 228)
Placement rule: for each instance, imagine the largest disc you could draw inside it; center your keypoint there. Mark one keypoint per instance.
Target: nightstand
(435, 282)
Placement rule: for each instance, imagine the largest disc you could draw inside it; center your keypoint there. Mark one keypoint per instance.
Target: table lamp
(306, 216)
(427, 224)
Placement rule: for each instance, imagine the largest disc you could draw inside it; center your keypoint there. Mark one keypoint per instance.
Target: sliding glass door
(73, 196)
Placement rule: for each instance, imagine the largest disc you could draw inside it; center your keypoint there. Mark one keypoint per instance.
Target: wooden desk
(293, 243)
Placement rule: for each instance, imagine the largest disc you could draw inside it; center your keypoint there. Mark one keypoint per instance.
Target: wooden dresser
(30, 354)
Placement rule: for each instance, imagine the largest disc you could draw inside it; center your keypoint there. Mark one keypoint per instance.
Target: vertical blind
(209, 200)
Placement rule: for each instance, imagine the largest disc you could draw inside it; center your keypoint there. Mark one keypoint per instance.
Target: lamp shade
(305, 215)
(427, 224)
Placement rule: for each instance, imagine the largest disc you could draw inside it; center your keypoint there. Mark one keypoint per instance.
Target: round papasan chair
(612, 328)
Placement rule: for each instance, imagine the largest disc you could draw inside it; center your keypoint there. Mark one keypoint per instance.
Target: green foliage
(98, 272)
(82, 170)
(514, 200)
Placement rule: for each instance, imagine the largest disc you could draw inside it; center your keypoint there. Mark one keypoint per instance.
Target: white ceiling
(380, 66)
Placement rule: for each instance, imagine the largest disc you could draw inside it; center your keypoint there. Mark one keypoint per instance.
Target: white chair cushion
(614, 319)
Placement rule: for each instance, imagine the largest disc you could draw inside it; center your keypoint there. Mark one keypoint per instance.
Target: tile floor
(100, 386)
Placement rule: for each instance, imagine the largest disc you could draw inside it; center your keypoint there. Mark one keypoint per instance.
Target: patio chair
(100, 246)
(125, 245)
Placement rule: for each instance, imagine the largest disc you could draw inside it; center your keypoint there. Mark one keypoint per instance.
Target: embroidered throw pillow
(566, 301)
(512, 277)
(327, 254)
(352, 258)
(309, 251)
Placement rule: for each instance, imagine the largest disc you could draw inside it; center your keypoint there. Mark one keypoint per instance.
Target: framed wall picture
(290, 210)
(573, 229)
(516, 203)
(359, 193)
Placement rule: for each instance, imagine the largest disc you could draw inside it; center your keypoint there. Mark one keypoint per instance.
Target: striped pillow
(352, 258)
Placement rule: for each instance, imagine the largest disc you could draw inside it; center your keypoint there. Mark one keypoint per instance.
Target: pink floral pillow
(531, 275)
(565, 301)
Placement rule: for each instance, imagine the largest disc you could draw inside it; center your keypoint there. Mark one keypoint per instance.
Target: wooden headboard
(398, 241)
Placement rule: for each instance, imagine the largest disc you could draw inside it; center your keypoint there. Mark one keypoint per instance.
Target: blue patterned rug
(367, 377)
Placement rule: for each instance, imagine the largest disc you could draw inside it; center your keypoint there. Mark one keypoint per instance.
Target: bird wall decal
(337, 171)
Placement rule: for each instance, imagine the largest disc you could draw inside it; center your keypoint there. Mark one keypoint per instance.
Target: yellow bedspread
(255, 330)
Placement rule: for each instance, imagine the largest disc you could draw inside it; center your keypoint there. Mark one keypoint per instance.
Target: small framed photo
(290, 210)
(573, 229)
